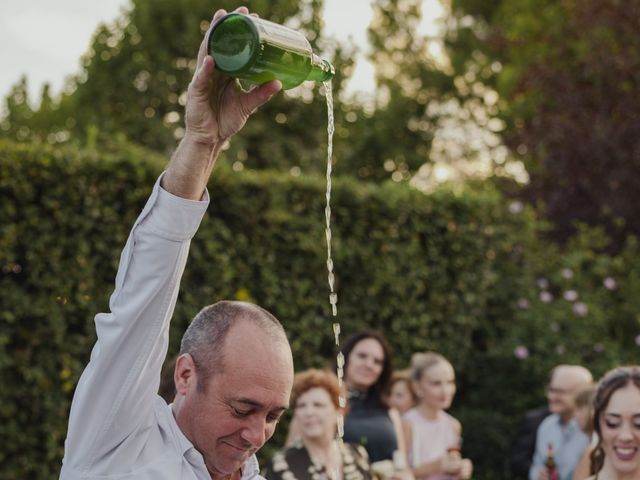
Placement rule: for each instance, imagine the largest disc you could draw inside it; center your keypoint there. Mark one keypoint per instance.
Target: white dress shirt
(119, 428)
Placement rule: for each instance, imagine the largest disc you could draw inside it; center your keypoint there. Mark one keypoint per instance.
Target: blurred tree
(135, 75)
(567, 74)
(395, 139)
(18, 112)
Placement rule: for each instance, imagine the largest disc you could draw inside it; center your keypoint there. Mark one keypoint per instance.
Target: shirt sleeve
(539, 453)
(114, 398)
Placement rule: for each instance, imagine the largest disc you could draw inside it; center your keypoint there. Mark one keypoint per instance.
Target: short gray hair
(205, 337)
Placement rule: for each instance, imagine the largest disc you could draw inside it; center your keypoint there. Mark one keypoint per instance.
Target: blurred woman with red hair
(317, 454)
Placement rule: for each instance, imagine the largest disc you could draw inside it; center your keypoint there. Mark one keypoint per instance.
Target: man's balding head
(206, 336)
(566, 381)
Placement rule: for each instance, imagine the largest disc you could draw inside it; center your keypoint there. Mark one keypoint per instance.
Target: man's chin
(228, 468)
(223, 472)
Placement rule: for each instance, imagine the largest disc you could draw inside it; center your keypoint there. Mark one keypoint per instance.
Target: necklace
(328, 464)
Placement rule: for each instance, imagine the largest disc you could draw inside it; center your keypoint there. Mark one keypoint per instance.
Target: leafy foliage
(457, 273)
(566, 73)
(135, 73)
(134, 79)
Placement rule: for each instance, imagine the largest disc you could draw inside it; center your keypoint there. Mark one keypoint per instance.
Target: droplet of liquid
(333, 296)
(336, 334)
(340, 426)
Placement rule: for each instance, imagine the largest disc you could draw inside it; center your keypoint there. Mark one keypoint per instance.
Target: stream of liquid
(333, 296)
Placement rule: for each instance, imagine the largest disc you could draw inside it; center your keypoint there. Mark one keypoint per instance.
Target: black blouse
(294, 463)
(368, 424)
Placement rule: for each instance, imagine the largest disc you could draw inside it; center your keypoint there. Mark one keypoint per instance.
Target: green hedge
(447, 271)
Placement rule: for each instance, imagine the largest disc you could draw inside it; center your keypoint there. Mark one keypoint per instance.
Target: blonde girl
(432, 435)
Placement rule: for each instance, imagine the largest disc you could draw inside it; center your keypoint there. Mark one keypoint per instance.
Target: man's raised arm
(113, 415)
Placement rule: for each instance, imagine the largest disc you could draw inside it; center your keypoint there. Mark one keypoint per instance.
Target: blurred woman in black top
(369, 420)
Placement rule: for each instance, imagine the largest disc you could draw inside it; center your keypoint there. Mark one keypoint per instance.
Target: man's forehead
(249, 338)
(270, 360)
(258, 370)
(564, 375)
(259, 404)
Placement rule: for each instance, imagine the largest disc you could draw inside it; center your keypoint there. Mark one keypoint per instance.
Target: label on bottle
(278, 35)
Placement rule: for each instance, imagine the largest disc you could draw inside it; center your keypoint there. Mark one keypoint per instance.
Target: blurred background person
(583, 415)
(370, 421)
(433, 436)
(559, 432)
(401, 394)
(316, 454)
(524, 443)
(616, 421)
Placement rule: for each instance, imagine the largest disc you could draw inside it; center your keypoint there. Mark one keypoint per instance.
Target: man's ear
(184, 375)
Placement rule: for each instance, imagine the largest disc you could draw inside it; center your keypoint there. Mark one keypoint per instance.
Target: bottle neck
(321, 70)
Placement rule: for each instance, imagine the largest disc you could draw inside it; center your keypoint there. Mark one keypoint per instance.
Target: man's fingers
(219, 13)
(202, 52)
(260, 95)
(202, 75)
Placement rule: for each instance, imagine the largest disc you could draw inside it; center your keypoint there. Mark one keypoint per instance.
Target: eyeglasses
(551, 390)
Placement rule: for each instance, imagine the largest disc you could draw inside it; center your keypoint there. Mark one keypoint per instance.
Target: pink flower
(567, 273)
(523, 303)
(570, 295)
(546, 297)
(580, 309)
(610, 283)
(521, 352)
(516, 207)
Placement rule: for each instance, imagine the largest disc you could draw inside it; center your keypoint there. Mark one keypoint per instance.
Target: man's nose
(256, 432)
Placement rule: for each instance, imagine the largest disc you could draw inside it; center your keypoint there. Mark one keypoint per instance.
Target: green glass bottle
(258, 51)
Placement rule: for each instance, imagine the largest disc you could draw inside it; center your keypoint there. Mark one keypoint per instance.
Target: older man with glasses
(559, 430)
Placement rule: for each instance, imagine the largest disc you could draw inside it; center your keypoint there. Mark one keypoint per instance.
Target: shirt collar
(249, 470)
(570, 425)
(183, 442)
